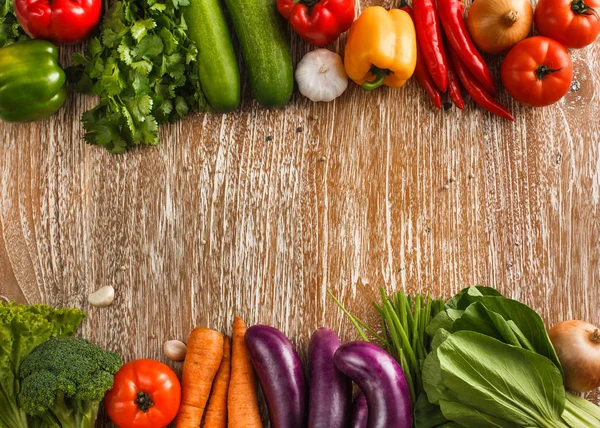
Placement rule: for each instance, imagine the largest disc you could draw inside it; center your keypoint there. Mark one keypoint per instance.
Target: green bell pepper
(32, 84)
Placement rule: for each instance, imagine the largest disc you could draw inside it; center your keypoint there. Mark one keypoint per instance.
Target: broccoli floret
(64, 379)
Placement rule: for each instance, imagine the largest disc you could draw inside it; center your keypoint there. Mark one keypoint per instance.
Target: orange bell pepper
(381, 48)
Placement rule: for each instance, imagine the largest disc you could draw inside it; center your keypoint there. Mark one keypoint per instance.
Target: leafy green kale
(144, 68)
(22, 329)
(10, 30)
(64, 379)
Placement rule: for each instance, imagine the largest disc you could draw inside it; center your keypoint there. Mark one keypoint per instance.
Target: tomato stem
(144, 401)
(595, 336)
(579, 6)
(542, 71)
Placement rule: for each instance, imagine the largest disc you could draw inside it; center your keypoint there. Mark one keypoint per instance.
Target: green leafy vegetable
(580, 413)
(143, 67)
(10, 30)
(64, 379)
(22, 329)
(492, 364)
(525, 318)
(500, 380)
(466, 416)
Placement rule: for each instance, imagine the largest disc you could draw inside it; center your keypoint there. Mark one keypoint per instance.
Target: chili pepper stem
(380, 75)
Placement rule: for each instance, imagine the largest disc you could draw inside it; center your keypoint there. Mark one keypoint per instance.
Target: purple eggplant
(280, 374)
(382, 381)
(330, 393)
(360, 412)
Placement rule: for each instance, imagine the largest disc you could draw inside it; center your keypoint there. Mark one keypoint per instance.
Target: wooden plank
(370, 190)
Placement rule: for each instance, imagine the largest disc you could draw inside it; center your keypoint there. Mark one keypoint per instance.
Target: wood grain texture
(370, 190)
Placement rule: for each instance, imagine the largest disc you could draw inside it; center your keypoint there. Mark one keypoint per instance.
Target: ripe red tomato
(145, 394)
(537, 71)
(573, 23)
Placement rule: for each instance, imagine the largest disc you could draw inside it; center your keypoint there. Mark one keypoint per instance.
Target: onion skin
(577, 344)
(497, 25)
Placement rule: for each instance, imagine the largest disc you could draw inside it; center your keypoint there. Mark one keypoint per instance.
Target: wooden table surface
(260, 212)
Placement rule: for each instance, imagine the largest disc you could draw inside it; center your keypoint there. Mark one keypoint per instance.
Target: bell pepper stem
(380, 75)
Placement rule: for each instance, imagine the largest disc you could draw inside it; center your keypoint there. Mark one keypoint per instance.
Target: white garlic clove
(175, 350)
(102, 297)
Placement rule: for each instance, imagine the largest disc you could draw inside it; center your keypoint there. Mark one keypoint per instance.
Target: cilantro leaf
(143, 66)
(140, 28)
(149, 48)
(10, 30)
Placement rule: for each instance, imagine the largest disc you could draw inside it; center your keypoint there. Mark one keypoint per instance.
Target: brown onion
(497, 25)
(577, 344)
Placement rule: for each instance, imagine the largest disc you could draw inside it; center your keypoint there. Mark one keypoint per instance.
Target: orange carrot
(202, 361)
(216, 412)
(242, 400)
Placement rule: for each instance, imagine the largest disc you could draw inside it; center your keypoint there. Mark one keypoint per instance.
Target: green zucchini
(265, 49)
(217, 63)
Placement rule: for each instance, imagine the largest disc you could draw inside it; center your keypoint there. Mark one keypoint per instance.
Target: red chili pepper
(429, 37)
(421, 72)
(318, 22)
(451, 16)
(60, 21)
(476, 89)
(454, 86)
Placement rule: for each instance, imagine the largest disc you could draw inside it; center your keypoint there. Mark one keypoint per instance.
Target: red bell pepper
(59, 21)
(318, 22)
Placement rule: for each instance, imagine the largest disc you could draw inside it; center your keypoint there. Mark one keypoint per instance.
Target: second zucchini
(265, 49)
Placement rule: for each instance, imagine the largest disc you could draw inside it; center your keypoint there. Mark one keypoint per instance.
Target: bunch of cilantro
(10, 30)
(143, 66)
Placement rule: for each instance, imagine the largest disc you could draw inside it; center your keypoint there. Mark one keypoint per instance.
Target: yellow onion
(497, 25)
(577, 345)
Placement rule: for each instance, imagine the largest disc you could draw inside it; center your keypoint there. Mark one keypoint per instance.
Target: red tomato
(537, 71)
(573, 23)
(145, 394)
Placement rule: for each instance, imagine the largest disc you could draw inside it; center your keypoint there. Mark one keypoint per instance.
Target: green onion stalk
(405, 319)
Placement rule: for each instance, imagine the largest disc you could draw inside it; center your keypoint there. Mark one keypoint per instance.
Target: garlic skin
(102, 297)
(175, 350)
(321, 75)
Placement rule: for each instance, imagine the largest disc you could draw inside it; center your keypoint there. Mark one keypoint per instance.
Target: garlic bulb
(321, 75)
